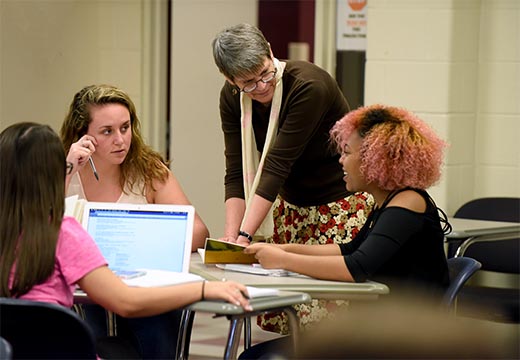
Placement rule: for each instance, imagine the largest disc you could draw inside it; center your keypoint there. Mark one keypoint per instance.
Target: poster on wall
(351, 25)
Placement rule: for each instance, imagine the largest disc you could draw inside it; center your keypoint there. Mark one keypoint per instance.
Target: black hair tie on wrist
(246, 235)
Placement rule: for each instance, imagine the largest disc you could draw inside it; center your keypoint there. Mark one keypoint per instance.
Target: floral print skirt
(336, 222)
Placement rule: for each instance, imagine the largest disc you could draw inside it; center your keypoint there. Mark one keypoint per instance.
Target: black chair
(494, 292)
(6, 351)
(37, 330)
(461, 269)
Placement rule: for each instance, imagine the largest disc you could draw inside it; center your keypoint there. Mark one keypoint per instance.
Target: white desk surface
(465, 228)
(317, 289)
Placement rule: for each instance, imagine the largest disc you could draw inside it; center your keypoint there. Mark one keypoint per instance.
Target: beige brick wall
(456, 63)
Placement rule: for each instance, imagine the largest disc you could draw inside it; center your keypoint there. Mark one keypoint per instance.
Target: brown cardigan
(301, 166)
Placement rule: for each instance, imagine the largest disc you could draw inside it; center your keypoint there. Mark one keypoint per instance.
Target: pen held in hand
(91, 162)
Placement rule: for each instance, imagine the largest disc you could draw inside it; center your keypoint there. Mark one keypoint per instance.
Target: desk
(317, 289)
(465, 231)
(236, 315)
(282, 302)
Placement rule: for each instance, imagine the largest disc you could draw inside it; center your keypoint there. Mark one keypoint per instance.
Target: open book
(74, 207)
(223, 252)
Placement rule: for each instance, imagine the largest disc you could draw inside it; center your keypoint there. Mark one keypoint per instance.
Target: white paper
(70, 205)
(256, 269)
(255, 292)
(201, 253)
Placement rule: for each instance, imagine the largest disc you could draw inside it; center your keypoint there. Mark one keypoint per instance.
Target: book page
(74, 207)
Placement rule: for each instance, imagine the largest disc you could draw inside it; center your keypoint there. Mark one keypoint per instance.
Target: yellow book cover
(223, 252)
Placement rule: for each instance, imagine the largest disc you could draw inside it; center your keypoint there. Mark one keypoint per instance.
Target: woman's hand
(270, 256)
(229, 291)
(80, 151)
(240, 240)
(228, 238)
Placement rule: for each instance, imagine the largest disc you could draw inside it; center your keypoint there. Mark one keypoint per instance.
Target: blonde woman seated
(102, 124)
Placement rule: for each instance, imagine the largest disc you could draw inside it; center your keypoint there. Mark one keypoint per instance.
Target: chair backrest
(38, 330)
(6, 351)
(491, 208)
(499, 255)
(461, 269)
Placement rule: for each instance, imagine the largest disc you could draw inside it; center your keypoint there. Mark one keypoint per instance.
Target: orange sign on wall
(351, 25)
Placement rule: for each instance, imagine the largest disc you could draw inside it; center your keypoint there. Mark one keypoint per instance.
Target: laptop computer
(141, 236)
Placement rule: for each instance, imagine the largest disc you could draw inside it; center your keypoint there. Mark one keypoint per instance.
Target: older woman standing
(283, 182)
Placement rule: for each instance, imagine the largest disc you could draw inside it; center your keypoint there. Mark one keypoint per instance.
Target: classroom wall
(197, 143)
(51, 49)
(455, 62)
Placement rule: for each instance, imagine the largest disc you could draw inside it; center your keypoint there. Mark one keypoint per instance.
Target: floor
(209, 335)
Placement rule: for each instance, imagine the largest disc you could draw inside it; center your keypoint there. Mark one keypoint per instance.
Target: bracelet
(245, 234)
(203, 284)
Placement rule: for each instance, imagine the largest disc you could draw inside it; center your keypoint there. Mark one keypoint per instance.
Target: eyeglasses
(69, 167)
(265, 79)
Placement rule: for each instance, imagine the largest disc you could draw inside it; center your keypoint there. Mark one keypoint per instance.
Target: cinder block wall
(456, 63)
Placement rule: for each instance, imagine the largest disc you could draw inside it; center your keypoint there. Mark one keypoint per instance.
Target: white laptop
(141, 236)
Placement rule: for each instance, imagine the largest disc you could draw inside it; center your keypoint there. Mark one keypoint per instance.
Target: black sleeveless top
(400, 248)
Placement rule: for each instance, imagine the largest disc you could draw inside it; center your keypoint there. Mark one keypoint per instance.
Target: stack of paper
(74, 207)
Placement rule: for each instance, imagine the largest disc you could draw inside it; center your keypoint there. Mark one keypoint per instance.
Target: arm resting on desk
(107, 290)
(319, 261)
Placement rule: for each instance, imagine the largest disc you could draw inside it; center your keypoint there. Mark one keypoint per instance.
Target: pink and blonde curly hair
(398, 149)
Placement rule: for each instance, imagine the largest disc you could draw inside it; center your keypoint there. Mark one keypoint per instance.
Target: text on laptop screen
(134, 239)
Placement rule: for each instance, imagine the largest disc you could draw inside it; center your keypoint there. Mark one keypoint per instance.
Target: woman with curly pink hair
(398, 149)
(392, 154)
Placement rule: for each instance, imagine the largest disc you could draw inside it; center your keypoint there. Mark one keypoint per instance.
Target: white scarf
(252, 163)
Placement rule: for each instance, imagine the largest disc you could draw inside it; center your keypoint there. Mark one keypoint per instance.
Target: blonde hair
(141, 162)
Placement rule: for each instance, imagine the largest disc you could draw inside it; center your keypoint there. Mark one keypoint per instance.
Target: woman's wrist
(245, 234)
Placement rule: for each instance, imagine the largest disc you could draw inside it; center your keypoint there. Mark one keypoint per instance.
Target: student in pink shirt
(45, 255)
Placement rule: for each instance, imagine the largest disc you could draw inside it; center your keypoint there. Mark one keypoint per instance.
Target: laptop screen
(137, 236)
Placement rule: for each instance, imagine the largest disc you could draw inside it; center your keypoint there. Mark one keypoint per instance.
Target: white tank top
(129, 196)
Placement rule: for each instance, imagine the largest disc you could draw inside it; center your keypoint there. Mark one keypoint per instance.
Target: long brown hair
(32, 201)
(141, 162)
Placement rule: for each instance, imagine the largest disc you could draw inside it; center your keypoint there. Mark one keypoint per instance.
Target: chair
(495, 289)
(461, 269)
(40, 330)
(6, 351)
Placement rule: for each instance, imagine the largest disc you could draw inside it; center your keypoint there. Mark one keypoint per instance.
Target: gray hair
(240, 50)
